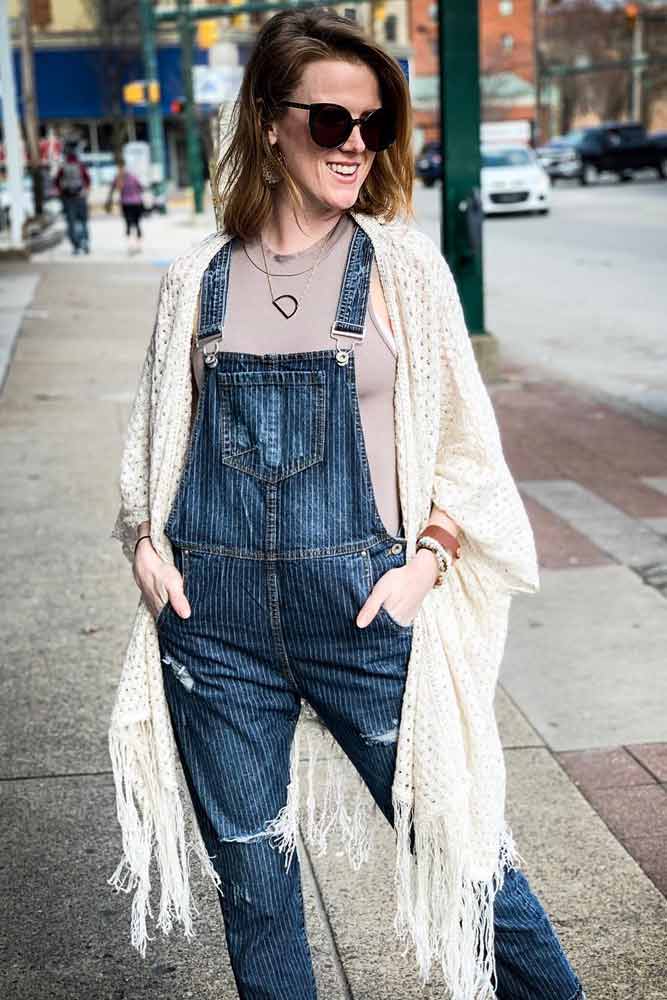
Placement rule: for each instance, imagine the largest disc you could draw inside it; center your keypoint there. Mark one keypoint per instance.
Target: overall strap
(353, 298)
(213, 294)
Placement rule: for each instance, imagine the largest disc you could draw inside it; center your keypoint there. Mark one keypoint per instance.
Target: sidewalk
(581, 700)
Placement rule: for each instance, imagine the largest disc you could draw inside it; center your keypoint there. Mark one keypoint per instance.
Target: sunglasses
(331, 125)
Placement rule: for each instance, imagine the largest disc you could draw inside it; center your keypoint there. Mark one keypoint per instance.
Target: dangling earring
(269, 176)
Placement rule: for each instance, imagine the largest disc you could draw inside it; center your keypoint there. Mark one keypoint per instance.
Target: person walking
(130, 192)
(326, 538)
(72, 182)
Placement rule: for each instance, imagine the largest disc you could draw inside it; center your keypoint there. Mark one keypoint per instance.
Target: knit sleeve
(135, 461)
(472, 481)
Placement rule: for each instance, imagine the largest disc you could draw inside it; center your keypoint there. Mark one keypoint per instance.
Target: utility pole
(12, 134)
(460, 213)
(153, 108)
(30, 115)
(193, 145)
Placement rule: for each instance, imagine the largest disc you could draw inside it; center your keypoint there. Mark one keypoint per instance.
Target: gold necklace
(291, 298)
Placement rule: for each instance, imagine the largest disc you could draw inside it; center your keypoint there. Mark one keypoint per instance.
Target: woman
(298, 538)
(130, 192)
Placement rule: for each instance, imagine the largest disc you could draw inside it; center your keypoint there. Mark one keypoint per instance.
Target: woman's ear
(267, 127)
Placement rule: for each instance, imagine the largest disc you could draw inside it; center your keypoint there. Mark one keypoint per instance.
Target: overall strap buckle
(343, 353)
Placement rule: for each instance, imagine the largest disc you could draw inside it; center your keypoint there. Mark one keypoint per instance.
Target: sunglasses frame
(353, 121)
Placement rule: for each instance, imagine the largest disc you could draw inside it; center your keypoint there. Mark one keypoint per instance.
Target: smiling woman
(295, 527)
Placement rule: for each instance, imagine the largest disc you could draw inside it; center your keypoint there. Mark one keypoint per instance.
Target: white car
(513, 180)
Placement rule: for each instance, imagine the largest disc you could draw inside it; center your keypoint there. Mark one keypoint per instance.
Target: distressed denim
(277, 534)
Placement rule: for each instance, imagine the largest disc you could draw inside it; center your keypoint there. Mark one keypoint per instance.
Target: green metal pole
(230, 10)
(193, 150)
(460, 136)
(155, 124)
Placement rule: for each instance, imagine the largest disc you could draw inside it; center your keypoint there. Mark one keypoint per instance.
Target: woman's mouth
(344, 172)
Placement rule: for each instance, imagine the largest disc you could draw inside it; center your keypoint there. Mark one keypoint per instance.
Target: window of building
(350, 13)
(390, 28)
(506, 7)
(507, 42)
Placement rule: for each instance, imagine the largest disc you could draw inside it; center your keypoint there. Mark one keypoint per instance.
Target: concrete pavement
(580, 704)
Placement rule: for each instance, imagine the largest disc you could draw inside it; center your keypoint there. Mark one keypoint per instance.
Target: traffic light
(238, 21)
(176, 106)
(207, 33)
(141, 92)
(631, 11)
(133, 93)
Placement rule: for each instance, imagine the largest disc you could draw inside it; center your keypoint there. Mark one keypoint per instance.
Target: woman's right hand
(158, 581)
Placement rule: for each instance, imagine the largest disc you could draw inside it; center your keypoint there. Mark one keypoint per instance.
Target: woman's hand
(158, 581)
(401, 590)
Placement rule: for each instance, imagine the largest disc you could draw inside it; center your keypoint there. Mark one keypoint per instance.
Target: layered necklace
(287, 304)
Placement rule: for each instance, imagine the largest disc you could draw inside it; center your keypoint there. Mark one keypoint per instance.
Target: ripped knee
(383, 737)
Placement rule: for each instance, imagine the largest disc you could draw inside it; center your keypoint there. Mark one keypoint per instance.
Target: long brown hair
(284, 46)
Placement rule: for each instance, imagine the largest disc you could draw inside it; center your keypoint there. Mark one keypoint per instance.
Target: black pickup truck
(617, 147)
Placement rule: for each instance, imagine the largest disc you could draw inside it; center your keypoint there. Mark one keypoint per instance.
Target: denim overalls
(276, 532)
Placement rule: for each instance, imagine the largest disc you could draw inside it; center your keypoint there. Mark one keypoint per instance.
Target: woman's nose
(354, 142)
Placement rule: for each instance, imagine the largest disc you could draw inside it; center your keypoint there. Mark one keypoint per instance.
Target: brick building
(507, 62)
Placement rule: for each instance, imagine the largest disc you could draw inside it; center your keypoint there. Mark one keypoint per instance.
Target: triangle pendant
(287, 315)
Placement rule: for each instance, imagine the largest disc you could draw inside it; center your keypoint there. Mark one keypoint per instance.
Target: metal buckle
(343, 353)
(210, 353)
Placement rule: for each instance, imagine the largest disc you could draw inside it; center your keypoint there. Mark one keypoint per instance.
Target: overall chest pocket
(272, 424)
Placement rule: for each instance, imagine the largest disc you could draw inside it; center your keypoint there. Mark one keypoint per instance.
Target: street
(577, 301)
(581, 292)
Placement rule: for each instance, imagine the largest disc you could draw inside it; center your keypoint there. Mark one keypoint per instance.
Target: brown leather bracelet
(446, 539)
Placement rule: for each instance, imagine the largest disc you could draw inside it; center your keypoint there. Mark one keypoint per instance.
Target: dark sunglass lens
(329, 125)
(379, 130)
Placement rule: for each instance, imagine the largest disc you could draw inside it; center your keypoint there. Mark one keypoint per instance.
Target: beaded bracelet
(442, 554)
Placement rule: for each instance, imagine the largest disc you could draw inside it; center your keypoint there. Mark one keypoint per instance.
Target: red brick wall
(494, 58)
(424, 36)
(519, 25)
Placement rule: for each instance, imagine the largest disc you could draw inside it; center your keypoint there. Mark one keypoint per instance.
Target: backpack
(70, 180)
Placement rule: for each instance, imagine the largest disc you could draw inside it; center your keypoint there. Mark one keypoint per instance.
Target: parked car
(513, 180)
(429, 164)
(619, 148)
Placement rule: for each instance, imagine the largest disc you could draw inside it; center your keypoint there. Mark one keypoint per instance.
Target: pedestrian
(325, 534)
(130, 191)
(72, 182)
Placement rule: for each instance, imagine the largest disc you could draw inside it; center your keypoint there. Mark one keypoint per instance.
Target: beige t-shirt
(253, 324)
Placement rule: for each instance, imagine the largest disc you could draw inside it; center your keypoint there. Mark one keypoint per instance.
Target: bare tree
(577, 32)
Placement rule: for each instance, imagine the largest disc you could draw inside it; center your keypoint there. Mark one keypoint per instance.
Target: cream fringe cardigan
(449, 780)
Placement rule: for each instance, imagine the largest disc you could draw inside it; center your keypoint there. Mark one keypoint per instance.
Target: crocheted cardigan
(449, 783)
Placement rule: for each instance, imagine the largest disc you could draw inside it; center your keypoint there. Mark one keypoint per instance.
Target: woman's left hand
(401, 590)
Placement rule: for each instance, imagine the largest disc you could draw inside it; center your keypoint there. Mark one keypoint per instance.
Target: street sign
(215, 84)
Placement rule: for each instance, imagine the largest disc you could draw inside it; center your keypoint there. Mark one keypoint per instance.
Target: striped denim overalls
(277, 534)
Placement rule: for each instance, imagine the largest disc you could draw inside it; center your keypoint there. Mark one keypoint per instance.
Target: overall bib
(277, 534)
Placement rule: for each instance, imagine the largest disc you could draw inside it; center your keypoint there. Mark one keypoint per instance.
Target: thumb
(179, 602)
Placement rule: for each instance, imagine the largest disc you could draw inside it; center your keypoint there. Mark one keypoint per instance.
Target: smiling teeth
(338, 168)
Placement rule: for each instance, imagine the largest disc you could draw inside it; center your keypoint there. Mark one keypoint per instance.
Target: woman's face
(355, 87)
